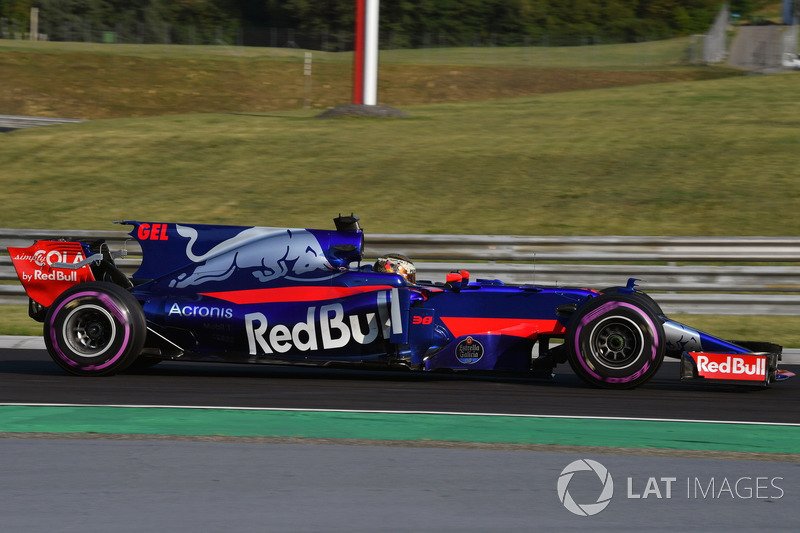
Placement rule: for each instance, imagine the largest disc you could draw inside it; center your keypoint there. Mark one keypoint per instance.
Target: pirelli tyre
(615, 341)
(95, 329)
(644, 298)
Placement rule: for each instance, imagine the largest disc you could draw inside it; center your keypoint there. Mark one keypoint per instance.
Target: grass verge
(693, 158)
(92, 81)
(712, 157)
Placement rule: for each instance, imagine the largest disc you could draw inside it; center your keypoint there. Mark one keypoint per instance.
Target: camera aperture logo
(585, 509)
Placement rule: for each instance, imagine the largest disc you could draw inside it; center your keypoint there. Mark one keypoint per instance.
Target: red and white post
(365, 67)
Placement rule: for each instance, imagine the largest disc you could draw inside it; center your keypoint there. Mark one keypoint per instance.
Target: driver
(397, 264)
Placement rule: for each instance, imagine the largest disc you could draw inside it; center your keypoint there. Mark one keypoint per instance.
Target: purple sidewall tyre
(95, 329)
(614, 341)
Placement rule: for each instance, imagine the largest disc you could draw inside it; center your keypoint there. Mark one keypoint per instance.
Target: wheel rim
(616, 342)
(89, 330)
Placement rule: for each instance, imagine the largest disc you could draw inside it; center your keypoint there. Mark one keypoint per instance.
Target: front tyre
(644, 298)
(615, 341)
(95, 329)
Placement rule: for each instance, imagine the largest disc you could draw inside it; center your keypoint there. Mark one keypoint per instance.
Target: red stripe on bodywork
(358, 53)
(516, 327)
(292, 294)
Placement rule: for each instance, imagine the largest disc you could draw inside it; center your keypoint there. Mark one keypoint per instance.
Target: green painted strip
(398, 426)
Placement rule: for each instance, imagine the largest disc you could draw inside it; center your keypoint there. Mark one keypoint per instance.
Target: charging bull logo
(270, 254)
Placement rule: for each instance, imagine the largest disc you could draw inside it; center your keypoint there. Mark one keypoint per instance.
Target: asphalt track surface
(113, 483)
(86, 486)
(29, 376)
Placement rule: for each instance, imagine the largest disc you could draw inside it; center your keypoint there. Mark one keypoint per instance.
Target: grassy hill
(583, 141)
(707, 158)
(96, 81)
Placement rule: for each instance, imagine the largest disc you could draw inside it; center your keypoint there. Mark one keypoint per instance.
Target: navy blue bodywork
(249, 294)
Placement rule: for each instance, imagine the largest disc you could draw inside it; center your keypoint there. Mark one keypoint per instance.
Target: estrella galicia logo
(469, 351)
(585, 509)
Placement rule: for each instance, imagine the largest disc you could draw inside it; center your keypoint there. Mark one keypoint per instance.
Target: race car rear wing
(48, 268)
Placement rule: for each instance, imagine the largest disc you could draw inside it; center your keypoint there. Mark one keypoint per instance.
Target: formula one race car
(302, 296)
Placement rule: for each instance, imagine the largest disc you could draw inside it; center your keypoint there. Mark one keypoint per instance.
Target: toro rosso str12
(302, 296)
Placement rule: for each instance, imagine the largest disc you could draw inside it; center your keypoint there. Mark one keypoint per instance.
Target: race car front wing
(758, 369)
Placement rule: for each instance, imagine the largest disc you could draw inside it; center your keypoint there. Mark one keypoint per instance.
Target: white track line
(399, 412)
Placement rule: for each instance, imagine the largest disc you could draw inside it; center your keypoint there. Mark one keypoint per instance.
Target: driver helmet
(396, 264)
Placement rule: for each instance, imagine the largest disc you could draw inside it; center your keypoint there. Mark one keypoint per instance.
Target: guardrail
(13, 122)
(702, 275)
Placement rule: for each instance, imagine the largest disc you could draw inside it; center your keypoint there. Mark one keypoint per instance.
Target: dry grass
(505, 148)
(94, 81)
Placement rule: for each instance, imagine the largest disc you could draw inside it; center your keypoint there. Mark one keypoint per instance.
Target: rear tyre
(615, 341)
(95, 329)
